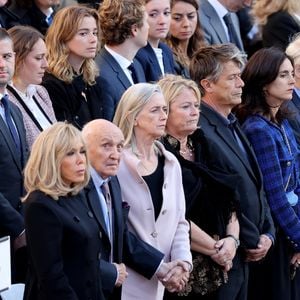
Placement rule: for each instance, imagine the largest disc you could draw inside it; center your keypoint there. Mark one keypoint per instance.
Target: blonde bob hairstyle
(173, 85)
(43, 171)
(64, 27)
(131, 104)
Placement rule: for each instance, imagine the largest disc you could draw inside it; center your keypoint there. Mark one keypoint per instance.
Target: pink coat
(169, 233)
(42, 96)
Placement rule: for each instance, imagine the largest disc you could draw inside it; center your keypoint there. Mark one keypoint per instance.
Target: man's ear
(206, 85)
(134, 30)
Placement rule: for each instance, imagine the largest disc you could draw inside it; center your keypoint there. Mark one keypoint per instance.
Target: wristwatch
(236, 240)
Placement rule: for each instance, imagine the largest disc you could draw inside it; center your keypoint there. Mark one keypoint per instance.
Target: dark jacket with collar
(255, 216)
(147, 58)
(64, 249)
(127, 248)
(113, 81)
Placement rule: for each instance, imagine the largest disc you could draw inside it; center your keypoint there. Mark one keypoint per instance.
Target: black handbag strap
(28, 111)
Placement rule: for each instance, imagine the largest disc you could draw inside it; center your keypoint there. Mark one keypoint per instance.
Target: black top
(209, 192)
(77, 102)
(155, 183)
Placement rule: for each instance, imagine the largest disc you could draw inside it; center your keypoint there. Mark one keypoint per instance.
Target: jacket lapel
(10, 142)
(222, 132)
(117, 69)
(94, 203)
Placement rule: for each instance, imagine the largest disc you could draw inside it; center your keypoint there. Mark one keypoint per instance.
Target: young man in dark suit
(124, 30)
(13, 155)
(217, 71)
(104, 142)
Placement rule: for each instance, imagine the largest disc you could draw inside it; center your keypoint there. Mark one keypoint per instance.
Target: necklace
(187, 152)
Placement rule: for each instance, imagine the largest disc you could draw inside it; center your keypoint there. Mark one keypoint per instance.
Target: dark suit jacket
(11, 177)
(214, 31)
(255, 216)
(11, 190)
(294, 119)
(64, 247)
(7, 18)
(126, 247)
(147, 58)
(77, 102)
(279, 29)
(113, 81)
(32, 16)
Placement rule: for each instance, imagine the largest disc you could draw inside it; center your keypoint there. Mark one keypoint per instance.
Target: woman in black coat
(72, 43)
(63, 236)
(210, 200)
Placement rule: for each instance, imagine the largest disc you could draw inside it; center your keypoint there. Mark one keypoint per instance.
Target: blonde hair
(262, 9)
(172, 86)
(293, 49)
(62, 30)
(131, 104)
(43, 171)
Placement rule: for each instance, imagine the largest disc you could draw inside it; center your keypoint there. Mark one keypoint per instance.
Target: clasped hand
(174, 275)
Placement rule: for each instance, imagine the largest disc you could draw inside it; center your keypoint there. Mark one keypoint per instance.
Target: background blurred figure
(156, 58)
(13, 156)
(209, 193)
(269, 82)
(219, 21)
(119, 246)
(151, 183)
(185, 35)
(62, 234)
(36, 13)
(7, 17)
(25, 91)
(72, 43)
(293, 51)
(124, 30)
(217, 71)
(279, 21)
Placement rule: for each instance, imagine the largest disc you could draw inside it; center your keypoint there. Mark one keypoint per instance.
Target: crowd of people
(150, 149)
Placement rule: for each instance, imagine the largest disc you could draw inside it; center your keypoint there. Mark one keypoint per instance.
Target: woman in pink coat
(150, 179)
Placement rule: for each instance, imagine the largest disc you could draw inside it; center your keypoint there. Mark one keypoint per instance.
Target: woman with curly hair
(72, 43)
(185, 35)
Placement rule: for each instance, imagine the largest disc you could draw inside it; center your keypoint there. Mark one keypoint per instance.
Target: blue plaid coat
(277, 165)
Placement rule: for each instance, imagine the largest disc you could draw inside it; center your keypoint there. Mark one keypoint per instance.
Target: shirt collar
(122, 61)
(97, 179)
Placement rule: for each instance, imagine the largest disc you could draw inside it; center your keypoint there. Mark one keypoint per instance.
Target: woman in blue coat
(269, 82)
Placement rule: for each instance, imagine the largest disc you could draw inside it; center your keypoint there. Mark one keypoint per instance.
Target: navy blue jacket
(127, 248)
(113, 81)
(146, 56)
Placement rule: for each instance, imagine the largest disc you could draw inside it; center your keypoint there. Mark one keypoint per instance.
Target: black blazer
(11, 177)
(31, 16)
(147, 58)
(113, 81)
(77, 102)
(64, 248)
(127, 248)
(255, 216)
(279, 29)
